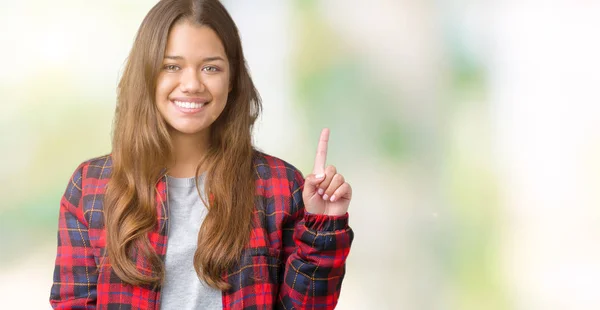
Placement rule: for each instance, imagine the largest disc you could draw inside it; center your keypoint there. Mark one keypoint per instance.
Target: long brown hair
(142, 149)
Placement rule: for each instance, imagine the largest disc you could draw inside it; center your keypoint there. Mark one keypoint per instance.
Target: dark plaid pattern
(294, 260)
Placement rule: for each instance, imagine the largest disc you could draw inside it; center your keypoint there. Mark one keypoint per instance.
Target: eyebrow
(207, 59)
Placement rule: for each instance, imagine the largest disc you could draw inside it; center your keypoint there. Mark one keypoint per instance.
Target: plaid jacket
(294, 260)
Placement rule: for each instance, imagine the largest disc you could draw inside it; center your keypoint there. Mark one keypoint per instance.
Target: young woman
(184, 213)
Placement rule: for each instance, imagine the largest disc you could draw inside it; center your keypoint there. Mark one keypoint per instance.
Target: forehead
(192, 40)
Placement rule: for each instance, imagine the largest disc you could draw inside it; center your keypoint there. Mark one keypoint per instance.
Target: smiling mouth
(189, 105)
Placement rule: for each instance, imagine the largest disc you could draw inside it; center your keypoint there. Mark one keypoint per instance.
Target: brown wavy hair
(141, 149)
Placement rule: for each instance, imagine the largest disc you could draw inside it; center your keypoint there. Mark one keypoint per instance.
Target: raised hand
(325, 190)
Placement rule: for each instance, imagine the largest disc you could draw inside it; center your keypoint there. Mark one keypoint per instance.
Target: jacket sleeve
(315, 251)
(75, 275)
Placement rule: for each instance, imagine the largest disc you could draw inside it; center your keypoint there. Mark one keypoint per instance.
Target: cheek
(219, 86)
(164, 86)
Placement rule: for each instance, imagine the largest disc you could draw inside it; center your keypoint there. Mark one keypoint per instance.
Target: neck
(188, 150)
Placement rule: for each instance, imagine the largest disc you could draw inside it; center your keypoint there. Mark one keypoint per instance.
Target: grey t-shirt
(182, 289)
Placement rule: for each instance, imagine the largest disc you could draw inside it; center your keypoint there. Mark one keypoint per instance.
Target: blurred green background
(468, 129)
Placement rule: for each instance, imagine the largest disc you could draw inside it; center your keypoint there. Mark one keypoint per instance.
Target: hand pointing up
(325, 191)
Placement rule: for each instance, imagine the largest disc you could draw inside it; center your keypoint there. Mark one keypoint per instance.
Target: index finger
(321, 156)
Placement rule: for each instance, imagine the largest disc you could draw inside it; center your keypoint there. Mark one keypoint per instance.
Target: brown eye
(171, 68)
(210, 69)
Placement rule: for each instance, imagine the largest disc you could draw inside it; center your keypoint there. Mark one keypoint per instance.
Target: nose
(191, 82)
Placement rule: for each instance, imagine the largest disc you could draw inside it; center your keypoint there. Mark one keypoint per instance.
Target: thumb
(311, 182)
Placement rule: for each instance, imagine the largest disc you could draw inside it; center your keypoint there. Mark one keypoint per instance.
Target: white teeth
(188, 105)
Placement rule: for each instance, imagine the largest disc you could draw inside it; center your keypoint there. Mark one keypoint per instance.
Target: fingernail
(320, 191)
(320, 176)
(332, 198)
(325, 197)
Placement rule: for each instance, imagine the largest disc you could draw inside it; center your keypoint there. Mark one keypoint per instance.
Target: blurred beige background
(470, 131)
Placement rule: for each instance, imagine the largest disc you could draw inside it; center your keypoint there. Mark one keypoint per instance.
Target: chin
(188, 130)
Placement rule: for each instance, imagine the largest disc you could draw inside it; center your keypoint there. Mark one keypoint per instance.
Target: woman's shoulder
(87, 183)
(275, 176)
(269, 167)
(96, 168)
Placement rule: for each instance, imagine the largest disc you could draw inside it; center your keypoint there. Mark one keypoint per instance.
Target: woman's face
(193, 83)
